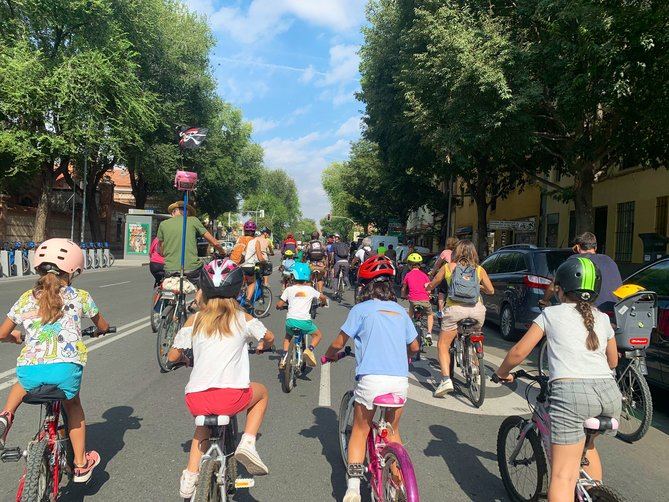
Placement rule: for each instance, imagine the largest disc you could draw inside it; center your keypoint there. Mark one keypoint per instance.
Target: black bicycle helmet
(581, 276)
(221, 279)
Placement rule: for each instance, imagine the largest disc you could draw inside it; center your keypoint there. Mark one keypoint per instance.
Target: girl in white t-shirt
(219, 384)
(581, 354)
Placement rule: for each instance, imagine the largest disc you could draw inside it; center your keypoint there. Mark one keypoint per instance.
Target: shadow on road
(464, 463)
(108, 439)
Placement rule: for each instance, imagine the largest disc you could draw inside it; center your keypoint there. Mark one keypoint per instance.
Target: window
(510, 262)
(490, 264)
(625, 231)
(572, 227)
(655, 278)
(547, 262)
(552, 225)
(661, 215)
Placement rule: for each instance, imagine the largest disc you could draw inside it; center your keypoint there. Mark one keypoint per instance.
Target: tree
(277, 196)
(302, 229)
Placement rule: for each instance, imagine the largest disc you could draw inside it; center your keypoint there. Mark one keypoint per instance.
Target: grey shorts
(572, 402)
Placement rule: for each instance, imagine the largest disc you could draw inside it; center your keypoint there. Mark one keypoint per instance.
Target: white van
(386, 239)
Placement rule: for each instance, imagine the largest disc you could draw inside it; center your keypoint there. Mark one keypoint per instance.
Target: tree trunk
(140, 188)
(583, 185)
(480, 197)
(92, 213)
(44, 203)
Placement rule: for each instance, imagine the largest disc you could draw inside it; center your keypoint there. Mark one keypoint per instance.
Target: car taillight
(536, 281)
(663, 322)
(638, 341)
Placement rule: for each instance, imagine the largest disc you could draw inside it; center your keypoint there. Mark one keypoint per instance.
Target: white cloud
(308, 75)
(242, 94)
(204, 7)
(261, 125)
(350, 128)
(344, 63)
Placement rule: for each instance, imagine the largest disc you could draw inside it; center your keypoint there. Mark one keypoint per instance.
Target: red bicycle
(49, 455)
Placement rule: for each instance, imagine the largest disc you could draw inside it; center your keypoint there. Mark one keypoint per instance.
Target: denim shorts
(573, 401)
(67, 376)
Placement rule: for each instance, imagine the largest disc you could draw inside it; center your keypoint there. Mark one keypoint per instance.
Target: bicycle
(535, 433)
(158, 301)
(467, 353)
(294, 364)
(49, 455)
(420, 323)
(341, 285)
(173, 315)
(261, 301)
(386, 462)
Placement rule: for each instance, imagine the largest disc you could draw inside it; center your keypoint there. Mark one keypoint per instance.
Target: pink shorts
(218, 401)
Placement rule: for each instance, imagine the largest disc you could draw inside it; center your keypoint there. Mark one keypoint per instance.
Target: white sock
(354, 484)
(249, 438)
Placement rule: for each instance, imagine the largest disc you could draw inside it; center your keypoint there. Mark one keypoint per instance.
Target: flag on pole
(192, 137)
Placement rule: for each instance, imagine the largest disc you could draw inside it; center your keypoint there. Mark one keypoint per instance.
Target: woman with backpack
(466, 279)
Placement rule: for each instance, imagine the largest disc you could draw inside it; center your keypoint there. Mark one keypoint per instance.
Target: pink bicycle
(390, 471)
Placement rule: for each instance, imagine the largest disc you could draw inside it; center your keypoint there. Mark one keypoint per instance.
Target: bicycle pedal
(11, 454)
(244, 483)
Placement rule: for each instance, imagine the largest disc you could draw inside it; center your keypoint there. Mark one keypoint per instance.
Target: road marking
(324, 389)
(115, 284)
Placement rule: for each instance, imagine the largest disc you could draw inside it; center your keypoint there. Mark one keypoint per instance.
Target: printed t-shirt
(611, 279)
(299, 298)
(220, 361)
(59, 341)
(169, 233)
(381, 331)
(416, 280)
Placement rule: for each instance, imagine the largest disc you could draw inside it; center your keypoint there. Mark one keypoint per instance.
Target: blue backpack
(464, 287)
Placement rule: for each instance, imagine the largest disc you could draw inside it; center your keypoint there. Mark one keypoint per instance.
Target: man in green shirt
(381, 250)
(169, 235)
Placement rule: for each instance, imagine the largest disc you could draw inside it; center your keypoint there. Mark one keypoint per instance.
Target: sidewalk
(130, 263)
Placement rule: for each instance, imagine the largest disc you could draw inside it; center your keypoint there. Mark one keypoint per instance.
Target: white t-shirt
(568, 356)
(220, 361)
(299, 298)
(360, 253)
(250, 257)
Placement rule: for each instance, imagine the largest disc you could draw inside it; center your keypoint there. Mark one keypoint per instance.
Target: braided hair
(585, 309)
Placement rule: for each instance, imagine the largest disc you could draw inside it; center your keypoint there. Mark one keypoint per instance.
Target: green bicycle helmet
(581, 276)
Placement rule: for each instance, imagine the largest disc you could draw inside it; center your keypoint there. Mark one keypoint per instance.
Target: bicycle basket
(172, 284)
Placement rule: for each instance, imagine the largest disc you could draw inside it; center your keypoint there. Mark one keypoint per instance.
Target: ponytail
(47, 293)
(585, 309)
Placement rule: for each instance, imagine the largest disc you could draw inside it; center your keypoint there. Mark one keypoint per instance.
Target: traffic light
(329, 217)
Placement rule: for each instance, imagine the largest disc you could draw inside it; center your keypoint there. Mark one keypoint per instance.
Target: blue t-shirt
(381, 331)
(288, 264)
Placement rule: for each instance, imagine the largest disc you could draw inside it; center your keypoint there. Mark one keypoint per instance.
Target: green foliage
(301, 229)
(276, 194)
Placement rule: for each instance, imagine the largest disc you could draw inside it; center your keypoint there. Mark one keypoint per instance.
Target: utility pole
(83, 205)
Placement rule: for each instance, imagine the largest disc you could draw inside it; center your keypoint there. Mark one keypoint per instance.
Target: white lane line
(324, 389)
(90, 341)
(115, 284)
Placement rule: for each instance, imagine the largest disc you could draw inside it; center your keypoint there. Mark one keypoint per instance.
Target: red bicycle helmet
(250, 226)
(376, 268)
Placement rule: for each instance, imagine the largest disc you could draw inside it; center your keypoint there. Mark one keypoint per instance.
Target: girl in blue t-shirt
(384, 338)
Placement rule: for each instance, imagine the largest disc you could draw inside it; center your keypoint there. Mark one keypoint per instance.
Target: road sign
(518, 226)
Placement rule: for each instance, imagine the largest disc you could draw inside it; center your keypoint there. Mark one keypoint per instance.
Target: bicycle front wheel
(288, 380)
(476, 376)
(603, 493)
(156, 310)
(526, 477)
(398, 480)
(207, 489)
(37, 482)
(637, 412)
(345, 419)
(262, 305)
(167, 330)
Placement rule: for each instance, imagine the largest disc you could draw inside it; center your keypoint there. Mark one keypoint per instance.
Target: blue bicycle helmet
(301, 272)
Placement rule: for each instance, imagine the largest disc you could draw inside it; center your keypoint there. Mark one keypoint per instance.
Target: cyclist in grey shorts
(581, 354)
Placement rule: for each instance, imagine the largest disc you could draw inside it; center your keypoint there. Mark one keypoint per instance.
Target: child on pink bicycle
(219, 384)
(54, 352)
(384, 337)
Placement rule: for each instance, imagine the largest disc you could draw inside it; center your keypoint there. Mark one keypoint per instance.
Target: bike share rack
(4, 263)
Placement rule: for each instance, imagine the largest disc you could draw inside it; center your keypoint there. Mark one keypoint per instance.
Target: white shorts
(372, 386)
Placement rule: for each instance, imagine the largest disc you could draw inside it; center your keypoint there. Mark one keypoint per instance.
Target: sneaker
(309, 357)
(187, 484)
(6, 419)
(83, 474)
(444, 388)
(247, 455)
(352, 496)
(428, 340)
(282, 362)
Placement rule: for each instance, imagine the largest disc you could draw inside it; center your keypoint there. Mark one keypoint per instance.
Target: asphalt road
(138, 422)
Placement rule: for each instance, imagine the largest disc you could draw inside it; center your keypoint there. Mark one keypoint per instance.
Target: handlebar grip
(340, 355)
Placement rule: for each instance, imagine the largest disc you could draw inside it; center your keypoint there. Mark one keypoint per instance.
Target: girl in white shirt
(219, 383)
(581, 354)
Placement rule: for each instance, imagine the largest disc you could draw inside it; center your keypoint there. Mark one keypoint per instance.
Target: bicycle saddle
(468, 322)
(44, 394)
(212, 420)
(601, 424)
(389, 401)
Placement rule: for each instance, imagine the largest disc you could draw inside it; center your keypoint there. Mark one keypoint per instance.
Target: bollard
(31, 259)
(106, 255)
(4, 263)
(91, 258)
(18, 262)
(98, 256)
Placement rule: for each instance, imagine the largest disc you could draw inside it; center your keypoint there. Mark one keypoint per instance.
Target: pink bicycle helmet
(250, 226)
(64, 254)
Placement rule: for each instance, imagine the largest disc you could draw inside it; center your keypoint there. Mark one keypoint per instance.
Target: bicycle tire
(345, 424)
(230, 463)
(542, 365)
(395, 453)
(155, 316)
(476, 376)
(110, 263)
(288, 380)
(166, 332)
(631, 382)
(26, 265)
(37, 482)
(509, 425)
(601, 493)
(207, 489)
(265, 302)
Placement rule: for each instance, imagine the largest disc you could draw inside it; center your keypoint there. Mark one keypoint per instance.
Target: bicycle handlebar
(519, 374)
(94, 332)
(340, 355)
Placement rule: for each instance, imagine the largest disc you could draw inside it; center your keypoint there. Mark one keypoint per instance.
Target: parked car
(520, 274)
(655, 277)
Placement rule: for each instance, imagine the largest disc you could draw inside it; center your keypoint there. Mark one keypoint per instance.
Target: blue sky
(292, 67)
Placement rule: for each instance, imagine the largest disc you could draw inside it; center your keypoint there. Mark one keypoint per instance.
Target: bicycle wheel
(207, 489)
(262, 305)
(345, 419)
(166, 332)
(26, 265)
(527, 478)
(288, 380)
(397, 477)
(637, 412)
(543, 358)
(37, 482)
(603, 493)
(156, 310)
(230, 463)
(340, 289)
(111, 260)
(475, 376)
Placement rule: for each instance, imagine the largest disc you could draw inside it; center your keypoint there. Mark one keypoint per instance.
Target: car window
(547, 262)
(510, 262)
(490, 264)
(654, 278)
(519, 264)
